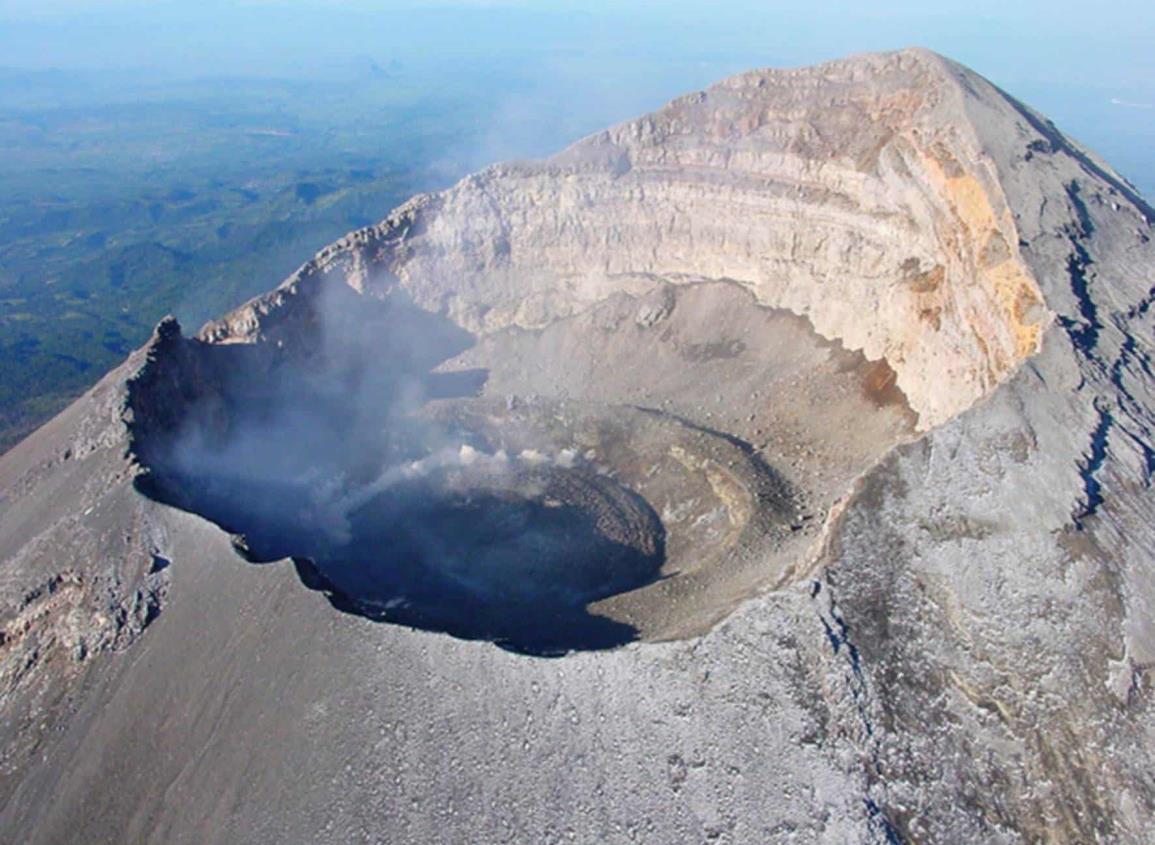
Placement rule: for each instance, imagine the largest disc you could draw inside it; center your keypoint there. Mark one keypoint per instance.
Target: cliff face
(857, 194)
(870, 339)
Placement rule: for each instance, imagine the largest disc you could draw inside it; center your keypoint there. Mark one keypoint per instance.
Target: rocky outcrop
(857, 194)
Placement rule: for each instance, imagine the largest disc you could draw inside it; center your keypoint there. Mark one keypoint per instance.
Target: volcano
(773, 467)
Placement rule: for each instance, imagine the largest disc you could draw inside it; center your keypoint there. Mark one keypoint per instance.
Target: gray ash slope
(870, 341)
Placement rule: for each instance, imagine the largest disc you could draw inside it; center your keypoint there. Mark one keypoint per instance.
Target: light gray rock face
(903, 300)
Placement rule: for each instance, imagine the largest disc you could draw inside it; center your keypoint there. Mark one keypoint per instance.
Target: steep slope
(857, 195)
(869, 341)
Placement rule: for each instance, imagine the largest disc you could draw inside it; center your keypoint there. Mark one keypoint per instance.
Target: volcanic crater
(418, 474)
(608, 396)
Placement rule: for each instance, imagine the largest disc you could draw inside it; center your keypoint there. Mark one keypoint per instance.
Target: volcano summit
(775, 467)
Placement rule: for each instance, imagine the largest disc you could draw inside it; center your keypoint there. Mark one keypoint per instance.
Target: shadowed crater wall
(534, 489)
(321, 454)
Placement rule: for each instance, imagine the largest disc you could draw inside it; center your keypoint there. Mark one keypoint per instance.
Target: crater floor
(571, 488)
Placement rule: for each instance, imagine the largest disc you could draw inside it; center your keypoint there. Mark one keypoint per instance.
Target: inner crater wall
(853, 194)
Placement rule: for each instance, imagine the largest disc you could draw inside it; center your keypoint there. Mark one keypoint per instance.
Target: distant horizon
(616, 60)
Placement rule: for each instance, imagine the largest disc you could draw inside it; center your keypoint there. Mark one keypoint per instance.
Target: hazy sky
(1091, 67)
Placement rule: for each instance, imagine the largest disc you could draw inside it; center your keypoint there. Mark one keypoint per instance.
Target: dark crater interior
(513, 556)
(599, 481)
(324, 457)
